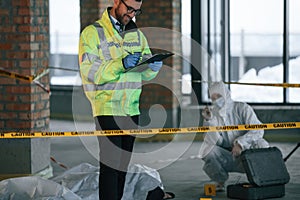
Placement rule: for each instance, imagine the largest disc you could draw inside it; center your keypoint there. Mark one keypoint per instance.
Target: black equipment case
(248, 191)
(266, 172)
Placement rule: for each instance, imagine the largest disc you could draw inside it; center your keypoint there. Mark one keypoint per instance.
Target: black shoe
(169, 195)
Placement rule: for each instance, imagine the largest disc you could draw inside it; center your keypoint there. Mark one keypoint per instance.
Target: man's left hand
(156, 65)
(236, 150)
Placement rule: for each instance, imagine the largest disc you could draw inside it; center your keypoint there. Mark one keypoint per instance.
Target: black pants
(115, 154)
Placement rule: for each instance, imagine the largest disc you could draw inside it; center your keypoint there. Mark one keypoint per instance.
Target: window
(212, 41)
(210, 37)
(64, 38)
(186, 50)
(294, 64)
(247, 41)
(256, 31)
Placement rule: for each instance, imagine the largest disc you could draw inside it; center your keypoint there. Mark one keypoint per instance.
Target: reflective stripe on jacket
(111, 90)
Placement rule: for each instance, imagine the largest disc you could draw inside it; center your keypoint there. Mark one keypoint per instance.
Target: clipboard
(141, 66)
(155, 57)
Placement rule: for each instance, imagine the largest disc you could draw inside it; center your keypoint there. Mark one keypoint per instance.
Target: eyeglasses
(131, 9)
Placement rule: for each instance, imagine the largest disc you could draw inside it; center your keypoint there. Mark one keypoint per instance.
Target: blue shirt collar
(114, 22)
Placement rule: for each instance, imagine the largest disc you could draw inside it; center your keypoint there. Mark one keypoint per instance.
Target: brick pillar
(166, 15)
(90, 11)
(24, 49)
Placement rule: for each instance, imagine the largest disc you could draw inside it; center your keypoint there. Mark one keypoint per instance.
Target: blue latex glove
(131, 60)
(156, 65)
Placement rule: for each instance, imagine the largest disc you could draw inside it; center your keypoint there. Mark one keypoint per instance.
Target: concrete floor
(177, 162)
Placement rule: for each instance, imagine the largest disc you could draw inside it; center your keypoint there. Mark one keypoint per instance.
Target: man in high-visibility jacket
(108, 51)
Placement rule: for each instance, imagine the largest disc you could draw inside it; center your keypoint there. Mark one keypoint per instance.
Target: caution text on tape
(201, 129)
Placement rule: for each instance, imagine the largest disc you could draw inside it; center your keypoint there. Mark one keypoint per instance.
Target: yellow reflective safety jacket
(110, 89)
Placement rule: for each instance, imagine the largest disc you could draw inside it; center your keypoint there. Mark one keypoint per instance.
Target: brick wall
(88, 12)
(164, 16)
(24, 49)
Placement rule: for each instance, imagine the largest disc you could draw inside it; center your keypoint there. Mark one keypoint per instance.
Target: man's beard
(120, 17)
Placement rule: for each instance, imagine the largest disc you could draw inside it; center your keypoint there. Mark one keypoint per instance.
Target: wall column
(24, 106)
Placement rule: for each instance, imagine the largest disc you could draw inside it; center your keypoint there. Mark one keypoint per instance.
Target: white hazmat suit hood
(221, 89)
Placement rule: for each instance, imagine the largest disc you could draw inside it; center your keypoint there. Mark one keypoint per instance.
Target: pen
(128, 52)
(131, 52)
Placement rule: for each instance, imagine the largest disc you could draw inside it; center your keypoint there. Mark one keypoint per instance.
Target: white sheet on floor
(34, 187)
(78, 183)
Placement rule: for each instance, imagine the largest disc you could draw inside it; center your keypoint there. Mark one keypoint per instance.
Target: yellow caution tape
(31, 79)
(14, 75)
(40, 75)
(247, 127)
(284, 85)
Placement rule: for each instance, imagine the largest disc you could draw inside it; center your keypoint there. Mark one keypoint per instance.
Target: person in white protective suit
(221, 150)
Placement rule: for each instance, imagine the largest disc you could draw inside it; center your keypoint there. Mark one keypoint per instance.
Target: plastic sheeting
(140, 179)
(78, 183)
(34, 187)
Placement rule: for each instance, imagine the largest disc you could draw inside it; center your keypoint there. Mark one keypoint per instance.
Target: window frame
(200, 22)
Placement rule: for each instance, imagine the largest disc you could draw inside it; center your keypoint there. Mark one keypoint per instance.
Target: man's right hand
(131, 60)
(206, 113)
